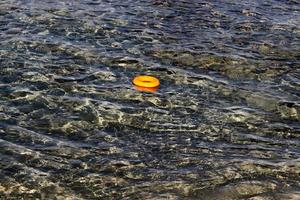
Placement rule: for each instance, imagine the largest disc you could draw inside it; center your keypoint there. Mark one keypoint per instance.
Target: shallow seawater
(224, 124)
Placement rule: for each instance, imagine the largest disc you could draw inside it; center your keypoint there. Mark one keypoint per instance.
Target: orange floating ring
(146, 81)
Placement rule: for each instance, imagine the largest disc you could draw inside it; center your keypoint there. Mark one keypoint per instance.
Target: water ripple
(224, 123)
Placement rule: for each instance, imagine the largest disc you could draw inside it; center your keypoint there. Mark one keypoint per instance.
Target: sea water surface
(224, 124)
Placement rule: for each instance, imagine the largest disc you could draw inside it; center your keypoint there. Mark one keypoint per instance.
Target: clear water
(225, 123)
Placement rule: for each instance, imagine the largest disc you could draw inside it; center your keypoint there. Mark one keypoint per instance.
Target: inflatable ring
(146, 81)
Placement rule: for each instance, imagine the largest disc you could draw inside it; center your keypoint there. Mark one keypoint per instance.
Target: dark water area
(224, 124)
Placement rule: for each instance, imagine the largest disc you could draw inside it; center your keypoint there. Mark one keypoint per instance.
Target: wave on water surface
(224, 123)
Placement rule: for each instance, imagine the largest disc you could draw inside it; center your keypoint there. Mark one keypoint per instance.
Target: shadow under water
(224, 123)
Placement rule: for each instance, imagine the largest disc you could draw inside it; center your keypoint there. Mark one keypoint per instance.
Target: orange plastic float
(146, 83)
